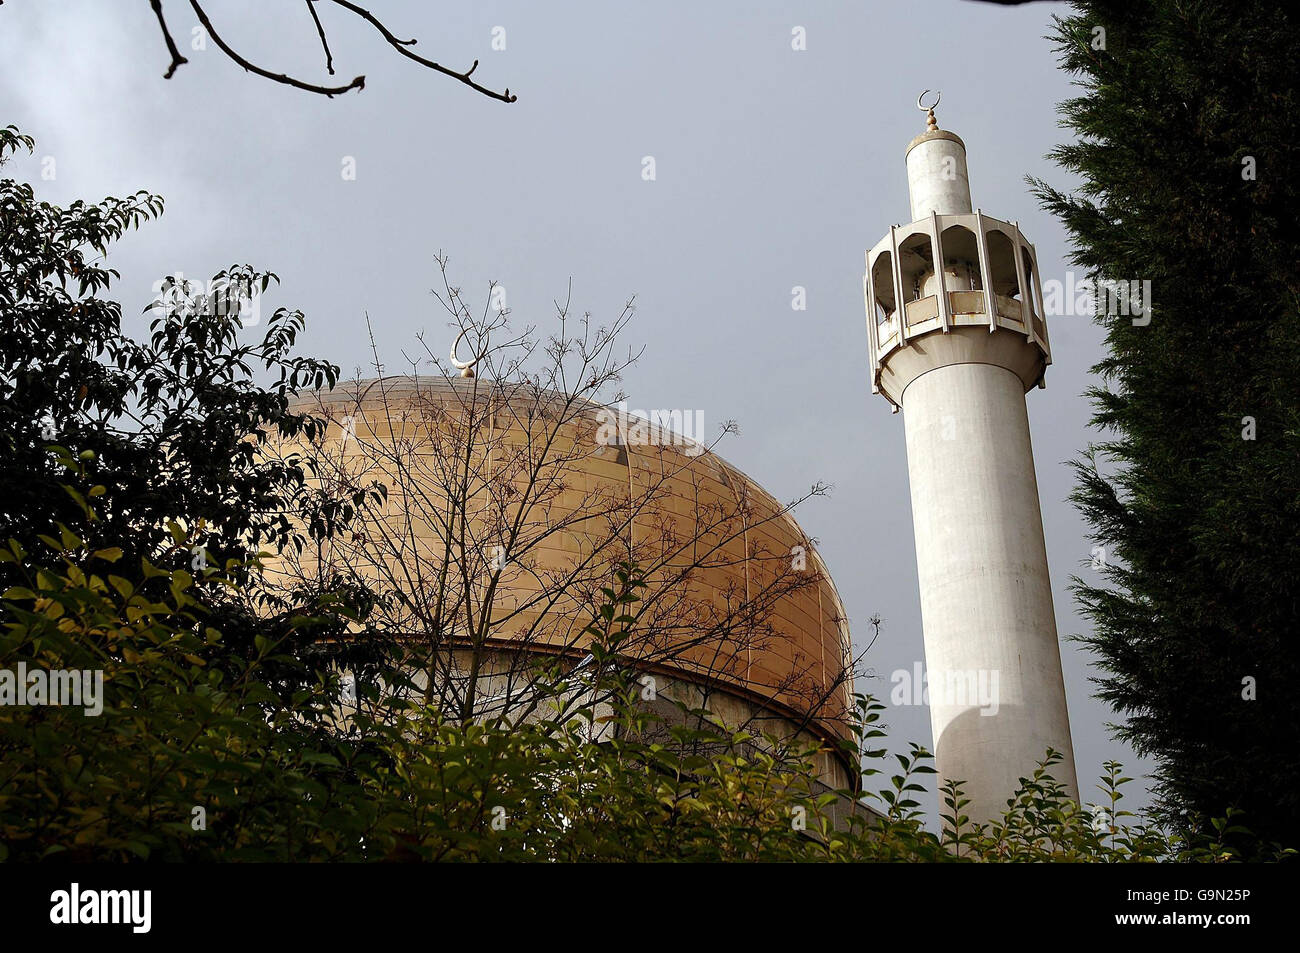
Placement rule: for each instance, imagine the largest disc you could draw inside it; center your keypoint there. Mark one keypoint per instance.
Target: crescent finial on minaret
(931, 124)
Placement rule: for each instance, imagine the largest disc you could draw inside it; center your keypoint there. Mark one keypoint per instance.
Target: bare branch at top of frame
(357, 83)
(401, 45)
(177, 59)
(320, 31)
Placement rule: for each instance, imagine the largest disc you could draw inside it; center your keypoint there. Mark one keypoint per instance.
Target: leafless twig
(357, 83)
(402, 46)
(177, 59)
(320, 30)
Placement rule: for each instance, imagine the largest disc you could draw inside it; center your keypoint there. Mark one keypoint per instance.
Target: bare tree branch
(177, 59)
(320, 30)
(331, 91)
(401, 47)
(359, 82)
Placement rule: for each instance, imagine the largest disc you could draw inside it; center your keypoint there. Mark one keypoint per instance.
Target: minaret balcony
(985, 265)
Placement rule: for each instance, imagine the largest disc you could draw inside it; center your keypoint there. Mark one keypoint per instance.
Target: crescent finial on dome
(466, 367)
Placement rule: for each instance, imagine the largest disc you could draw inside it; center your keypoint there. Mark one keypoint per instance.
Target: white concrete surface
(986, 600)
(937, 179)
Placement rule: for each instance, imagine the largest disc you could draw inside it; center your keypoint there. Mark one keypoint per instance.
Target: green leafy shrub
(189, 730)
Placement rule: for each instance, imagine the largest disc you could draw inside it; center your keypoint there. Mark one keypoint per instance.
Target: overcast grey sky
(775, 168)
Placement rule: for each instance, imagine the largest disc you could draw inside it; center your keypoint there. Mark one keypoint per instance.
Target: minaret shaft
(997, 697)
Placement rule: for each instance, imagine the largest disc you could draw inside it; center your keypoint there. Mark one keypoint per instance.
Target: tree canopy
(1184, 153)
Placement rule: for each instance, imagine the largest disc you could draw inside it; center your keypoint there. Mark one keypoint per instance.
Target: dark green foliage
(174, 423)
(171, 426)
(1201, 526)
(189, 761)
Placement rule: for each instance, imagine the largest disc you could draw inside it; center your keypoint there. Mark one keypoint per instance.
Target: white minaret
(956, 348)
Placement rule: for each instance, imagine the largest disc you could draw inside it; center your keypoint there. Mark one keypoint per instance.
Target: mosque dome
(739, 614)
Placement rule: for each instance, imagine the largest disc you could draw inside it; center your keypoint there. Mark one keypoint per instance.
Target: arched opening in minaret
(916, 264)
(1035, 293)
(1002, 274)
(961, 258)
(962, 278)
(883, 305)
(1031, 278)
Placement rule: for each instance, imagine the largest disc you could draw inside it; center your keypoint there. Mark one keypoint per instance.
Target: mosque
(510, 508)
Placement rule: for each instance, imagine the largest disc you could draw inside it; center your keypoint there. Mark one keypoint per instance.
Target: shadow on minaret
(984, 752)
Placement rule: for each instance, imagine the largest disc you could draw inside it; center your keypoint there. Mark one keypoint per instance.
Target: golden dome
(508, 507)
